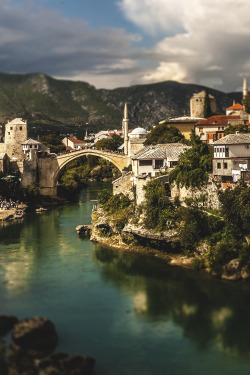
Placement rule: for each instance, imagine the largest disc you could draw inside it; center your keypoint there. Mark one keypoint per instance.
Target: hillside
(68, 106)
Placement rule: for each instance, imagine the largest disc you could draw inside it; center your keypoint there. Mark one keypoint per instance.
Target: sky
(117, 43)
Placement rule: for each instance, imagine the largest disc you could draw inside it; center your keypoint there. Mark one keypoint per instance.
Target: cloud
(36, 39)
(205, 41)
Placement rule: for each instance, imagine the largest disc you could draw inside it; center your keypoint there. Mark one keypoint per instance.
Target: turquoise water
(132, 313)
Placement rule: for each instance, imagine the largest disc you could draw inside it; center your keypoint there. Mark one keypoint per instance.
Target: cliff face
(49, 104)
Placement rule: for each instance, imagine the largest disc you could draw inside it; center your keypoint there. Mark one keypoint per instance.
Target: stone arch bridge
(50, 168)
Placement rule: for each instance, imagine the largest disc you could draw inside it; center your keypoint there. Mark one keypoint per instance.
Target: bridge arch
(119, 160)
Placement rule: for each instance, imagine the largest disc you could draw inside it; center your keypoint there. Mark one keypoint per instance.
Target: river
(134, 314)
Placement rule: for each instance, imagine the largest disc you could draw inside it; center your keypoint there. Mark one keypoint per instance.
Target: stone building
(197, 104)
(185, 124)
(153, 159)
(211, 129)
(15, 135)
(231, 158)
(136, 141)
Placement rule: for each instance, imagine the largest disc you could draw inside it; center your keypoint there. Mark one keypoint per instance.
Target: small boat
(93, 200)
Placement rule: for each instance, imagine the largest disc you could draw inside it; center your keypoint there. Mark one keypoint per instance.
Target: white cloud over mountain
(206, 41)
(198, 41)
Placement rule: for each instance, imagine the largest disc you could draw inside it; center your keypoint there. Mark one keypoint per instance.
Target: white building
(231, 157)
(32, 144)
(73, 143)
(153, 159)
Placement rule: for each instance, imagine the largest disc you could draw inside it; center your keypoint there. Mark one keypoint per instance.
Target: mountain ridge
(50, 104)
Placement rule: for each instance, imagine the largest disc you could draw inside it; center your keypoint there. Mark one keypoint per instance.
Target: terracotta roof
(217, 120)
(236, 106)
(74, 140)
(233, 139)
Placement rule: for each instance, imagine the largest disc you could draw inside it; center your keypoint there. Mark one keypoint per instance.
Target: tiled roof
(162, 151)
(218, 120)
(235, 107)
(74, 140)
(233, 139)
(31, 142)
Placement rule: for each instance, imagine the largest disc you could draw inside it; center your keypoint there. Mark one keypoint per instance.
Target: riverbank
(12, 213)
(163, 245)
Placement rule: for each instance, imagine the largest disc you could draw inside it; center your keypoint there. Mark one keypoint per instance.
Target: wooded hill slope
(70, 107)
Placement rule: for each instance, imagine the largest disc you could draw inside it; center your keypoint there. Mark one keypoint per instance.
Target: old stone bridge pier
(45, 171)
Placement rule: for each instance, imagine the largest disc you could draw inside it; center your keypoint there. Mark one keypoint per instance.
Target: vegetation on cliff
(194, 165)
(163, 133)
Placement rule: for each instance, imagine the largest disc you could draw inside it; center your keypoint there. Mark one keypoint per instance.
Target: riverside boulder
(35, 334)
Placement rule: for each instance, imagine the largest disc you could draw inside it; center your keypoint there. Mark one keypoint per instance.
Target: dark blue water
(134, 314)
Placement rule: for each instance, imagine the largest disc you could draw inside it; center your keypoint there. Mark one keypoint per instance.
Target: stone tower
(15, 135)
(125, 128)
(197, 104)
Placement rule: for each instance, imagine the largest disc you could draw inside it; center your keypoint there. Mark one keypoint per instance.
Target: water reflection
(210, 312)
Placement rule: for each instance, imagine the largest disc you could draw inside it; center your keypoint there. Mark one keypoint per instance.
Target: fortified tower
(15, 135)
(197, 104)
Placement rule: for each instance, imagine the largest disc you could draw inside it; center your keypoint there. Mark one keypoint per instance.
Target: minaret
(125, 129)
(245, 89)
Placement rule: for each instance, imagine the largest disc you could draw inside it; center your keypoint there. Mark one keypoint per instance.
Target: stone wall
(210, 191)
(48, 167)
(124, 185)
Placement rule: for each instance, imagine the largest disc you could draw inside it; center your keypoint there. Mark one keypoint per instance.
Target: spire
(245, 89)
(125, 111)
(125, 128)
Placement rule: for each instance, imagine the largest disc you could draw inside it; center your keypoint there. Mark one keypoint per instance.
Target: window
(225, 165)
(201, 130)
(218, 165)
(35, 146)
(158, 164)
(21, 128)
(144, 163)
(8, 133)
(11, 128)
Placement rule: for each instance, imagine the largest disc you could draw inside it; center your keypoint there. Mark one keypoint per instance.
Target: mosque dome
(139, 131)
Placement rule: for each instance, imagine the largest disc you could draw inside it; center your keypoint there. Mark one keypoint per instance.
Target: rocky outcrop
(35, 334)
(170, 235)
(84, 230)
(234, 271)
(7, 323)
(32, 351)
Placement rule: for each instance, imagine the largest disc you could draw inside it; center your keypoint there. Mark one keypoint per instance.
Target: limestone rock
(84, 230)
(232, 270)
(35, 334)
(7, 322)
(245, 272)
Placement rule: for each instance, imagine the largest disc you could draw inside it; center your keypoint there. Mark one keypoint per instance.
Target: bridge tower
(125, 128)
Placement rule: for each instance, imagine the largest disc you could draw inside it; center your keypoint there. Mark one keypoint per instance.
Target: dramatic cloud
(196, 41)
(206, 41)
(35, 39)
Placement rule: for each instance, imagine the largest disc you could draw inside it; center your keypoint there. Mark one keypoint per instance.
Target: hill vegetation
(72, 107)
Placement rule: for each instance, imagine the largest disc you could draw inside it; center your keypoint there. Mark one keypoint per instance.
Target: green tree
(194, 165)
(54, 142)
(159, 211)
(163, 133)
(111, 143)
(232, 129)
